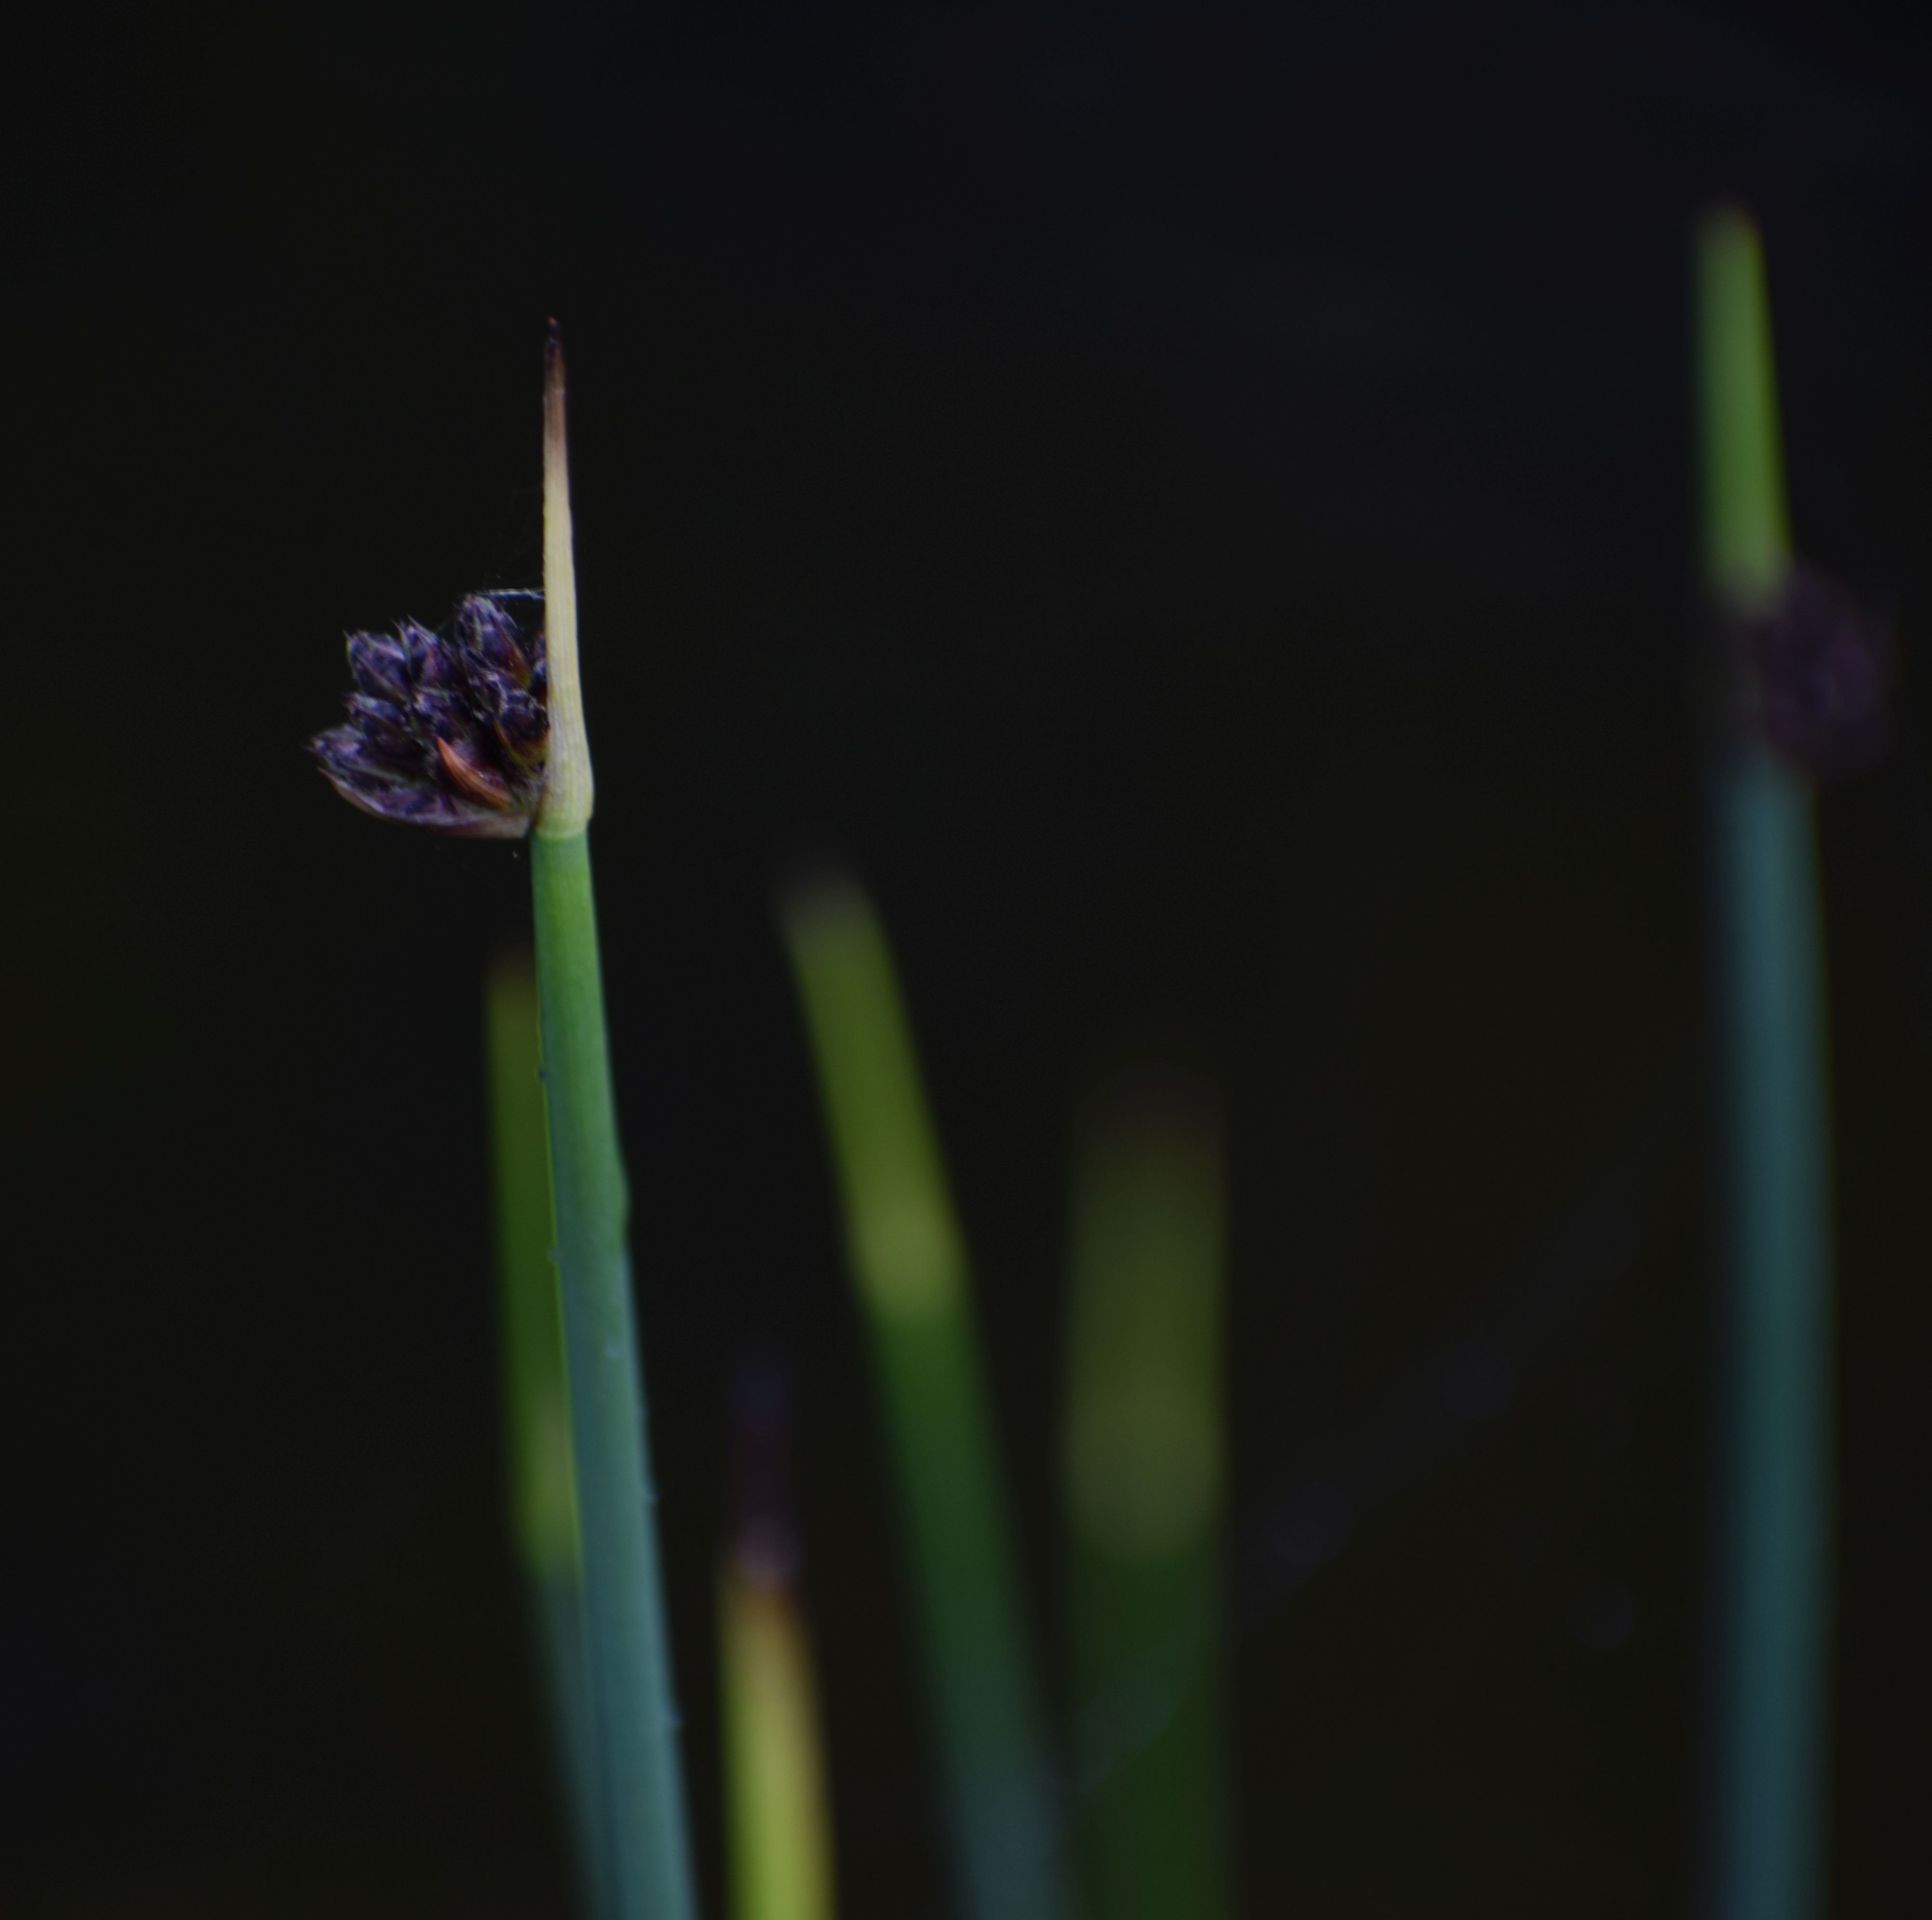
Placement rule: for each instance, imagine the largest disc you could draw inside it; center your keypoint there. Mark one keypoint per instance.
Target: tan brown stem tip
(568, 790)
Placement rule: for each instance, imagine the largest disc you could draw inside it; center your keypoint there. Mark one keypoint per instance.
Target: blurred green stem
(536, 1399)
(1144, 1477)
(910, 1267)
(778, 1817)
(1772, 1625)
(780, 1831)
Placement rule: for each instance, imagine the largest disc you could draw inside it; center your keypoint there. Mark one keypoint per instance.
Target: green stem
(1145, 1469)
(909, 1266)
(1773, 1623)
(778, 1830)
(536, 1397)
(556, 1602)
(626, 1650)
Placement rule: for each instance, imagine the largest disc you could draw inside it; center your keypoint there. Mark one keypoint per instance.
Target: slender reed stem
(627, 1655)
(536, 1398)
(1772, 1614)
(1143, 1464)
(775, 1790)
(910, 1267)
(778, 1819)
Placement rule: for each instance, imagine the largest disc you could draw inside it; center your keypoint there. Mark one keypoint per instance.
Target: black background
(1196, 502)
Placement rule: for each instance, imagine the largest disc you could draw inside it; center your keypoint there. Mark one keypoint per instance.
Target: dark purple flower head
(1816, 668)
(446, 732)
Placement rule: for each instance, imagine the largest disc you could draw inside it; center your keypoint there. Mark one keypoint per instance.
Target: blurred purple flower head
(1817, 667)
(449, 732)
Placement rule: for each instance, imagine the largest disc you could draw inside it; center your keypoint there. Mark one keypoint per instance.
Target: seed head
(449, 732)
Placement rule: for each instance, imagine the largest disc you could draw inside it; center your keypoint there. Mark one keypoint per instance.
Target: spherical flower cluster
(446, 732)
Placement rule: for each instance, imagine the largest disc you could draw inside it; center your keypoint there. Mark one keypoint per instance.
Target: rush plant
(480, 732)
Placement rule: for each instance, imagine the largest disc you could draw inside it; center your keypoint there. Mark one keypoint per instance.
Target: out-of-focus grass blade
(1771, 1643)
(910, 1267)
(543, 1499)
(1144, 1442)
(779, 1831)
(775, 1788)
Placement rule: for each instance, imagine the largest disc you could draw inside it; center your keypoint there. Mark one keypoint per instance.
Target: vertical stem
(543, 1492)
(1144, 1465)
(778, 1826)
(647, 1866)
(910, 1267)
(1773, 1646)
(780, 1836)
(627, 1653)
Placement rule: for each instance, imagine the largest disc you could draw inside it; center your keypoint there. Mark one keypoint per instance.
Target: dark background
(1196, 502)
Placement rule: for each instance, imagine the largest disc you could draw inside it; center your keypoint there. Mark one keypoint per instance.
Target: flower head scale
(449, 732)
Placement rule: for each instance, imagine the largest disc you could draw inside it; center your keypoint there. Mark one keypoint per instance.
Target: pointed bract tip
(568, 788)
(553, 399)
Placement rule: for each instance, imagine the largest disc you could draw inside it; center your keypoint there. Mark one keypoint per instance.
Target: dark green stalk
(536, 1399)
(1143, 1464)
(1772, 1625)
(627, 1656)
(909, 1268)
